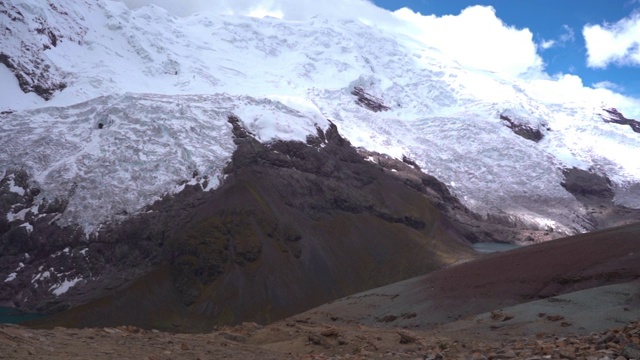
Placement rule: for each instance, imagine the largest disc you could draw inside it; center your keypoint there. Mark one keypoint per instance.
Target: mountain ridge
(322, 231)
(438, 101)
(137, 109)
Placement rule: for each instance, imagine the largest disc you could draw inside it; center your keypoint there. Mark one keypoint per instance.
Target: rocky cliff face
(500, 228)
(595, 191)
(294, 225)
(522, 130)
(614, 116)
(34, 29)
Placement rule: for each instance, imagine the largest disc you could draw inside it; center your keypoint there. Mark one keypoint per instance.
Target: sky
(579, 45)
(598, 40)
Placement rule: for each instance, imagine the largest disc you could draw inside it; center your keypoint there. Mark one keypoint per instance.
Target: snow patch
(27, 226)
(11, 216)
(280, 122)
(11, 277)
(63, 287)
(12, 96)
(41, 276)
(15, 189)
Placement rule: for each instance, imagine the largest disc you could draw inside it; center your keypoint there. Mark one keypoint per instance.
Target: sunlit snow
(161, 87)
(41, 276)
(14, 274)
(63, 287)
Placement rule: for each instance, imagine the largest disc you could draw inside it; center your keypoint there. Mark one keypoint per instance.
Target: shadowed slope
(294, 226)
(498, 280)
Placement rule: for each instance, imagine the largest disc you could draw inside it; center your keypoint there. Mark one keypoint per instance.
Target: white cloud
(567, 36)
(264, 12)
(180, 8)
(287, 9)
(566, 88)
(608, 85)
(547, 44)
(477, 38)
(617, 43)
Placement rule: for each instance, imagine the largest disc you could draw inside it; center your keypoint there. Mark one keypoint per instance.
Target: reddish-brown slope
(498, 280)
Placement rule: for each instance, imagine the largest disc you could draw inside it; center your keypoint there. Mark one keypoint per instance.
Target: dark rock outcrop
(522, 130)
(40, 30)
(586, 185)
(34, 79)
(595, 191)
(493, 228)
(294, 225)
(369, 101)
(616, 117)
(41, 254)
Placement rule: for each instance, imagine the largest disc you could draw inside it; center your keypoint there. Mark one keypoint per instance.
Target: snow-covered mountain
(107, 110)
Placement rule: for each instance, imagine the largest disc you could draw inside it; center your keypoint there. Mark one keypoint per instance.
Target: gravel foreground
(310, 340)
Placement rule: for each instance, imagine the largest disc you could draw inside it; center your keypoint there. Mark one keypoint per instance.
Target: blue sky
(558, 24)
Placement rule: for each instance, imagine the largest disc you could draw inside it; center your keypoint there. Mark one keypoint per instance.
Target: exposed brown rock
(276, 342)
(616, 117)
(522, 130)
(596, 193)
(407, 337)
(555, 317)
(500, 316)
(331, 332)
(475, 228)
(368, 101)
(585, 184)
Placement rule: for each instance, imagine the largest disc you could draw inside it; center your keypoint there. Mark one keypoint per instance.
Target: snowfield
(148, 95)
(112, 155)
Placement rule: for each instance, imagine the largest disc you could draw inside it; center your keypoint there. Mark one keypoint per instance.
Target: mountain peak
(442, 115)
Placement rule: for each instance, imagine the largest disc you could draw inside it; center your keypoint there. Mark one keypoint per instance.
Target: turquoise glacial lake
(493, 247)
(13, 316)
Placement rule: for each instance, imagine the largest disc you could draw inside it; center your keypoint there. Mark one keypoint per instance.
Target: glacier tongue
(113, 155)
(282, 78)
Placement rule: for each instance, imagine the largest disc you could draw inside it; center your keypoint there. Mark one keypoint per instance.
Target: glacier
(146, 96)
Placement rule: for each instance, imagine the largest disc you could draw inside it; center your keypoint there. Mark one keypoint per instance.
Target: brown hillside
(294, 226)
(498, 280)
